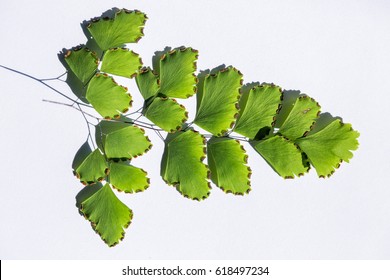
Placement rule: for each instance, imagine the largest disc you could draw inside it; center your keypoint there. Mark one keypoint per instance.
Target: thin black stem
(88, 124)
(45, 84)
(228, 136)
(78, 108)
(135, 112)
(159, 135)
(56, 78)
(72, 106)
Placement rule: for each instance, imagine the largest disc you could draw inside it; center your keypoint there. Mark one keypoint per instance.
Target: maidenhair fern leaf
(121, 140)
(258, 108)
(125, 27)
(167, 114)
(218, 101)
(147, 82)
(284, 128)
(327, 148)
(82, 62)
(121, 62)
(282, 155)
(301, 118)
(227, 161)
(107, 214)
(182, 164)
(92, 168)
(128, 178)
(107, 97)
(176, 71)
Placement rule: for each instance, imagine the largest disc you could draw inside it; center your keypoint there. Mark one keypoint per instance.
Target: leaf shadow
(91, 42)
(324, 119)
(289, 98)
(81, 155)
(156, 58)
(75, 84)
(86, 193)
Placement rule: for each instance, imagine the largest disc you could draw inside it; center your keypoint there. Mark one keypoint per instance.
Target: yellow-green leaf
(121, 62)
(218, 101)
(128, 178)
(166, 113)
(121, 140)
(108, 98)
(124, 27)
(258, 108)
(327, 148)
(177, 68)
(301, 118)
(282, 155)
(108, 215)
(182, 164)
(227, 161)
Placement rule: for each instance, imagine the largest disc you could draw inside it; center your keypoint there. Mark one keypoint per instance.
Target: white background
(336, 51)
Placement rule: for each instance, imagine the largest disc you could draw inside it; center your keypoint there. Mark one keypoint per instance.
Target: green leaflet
(128, 178)
(167, 114)
(218, 101)
(282, 155)
(82, 62)
(107, 97)
(177, 78)
(121, 140)
(125, 27)
(301, 118)
(258, 108)
(91, 167)
(121, 62)
(327, 148)
(287, 132)
(107, 214)
(227, 161)
(182, 164)
(147, 82)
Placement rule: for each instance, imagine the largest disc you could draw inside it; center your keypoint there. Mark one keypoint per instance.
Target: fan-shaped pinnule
(147, 82)
(121, 139)
(167, 114)
(259, 106)
(177, 72)
(328, 147)
(301, 118)
(128, 178)
(227, 160)
(123, 27)
(217, 107)
(182, 164)
(89, 166)
(108, 98)
(108, 215)
(283, 155)
(82, 62)
(121, 62)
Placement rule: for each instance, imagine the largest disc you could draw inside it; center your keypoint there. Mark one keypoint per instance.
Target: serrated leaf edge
(133, 52)
(237, 106)
(245, 159)
(123, 111)
(93, 225)
(201, 159)
(194, 65)
(123, 10)
(136, 191)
